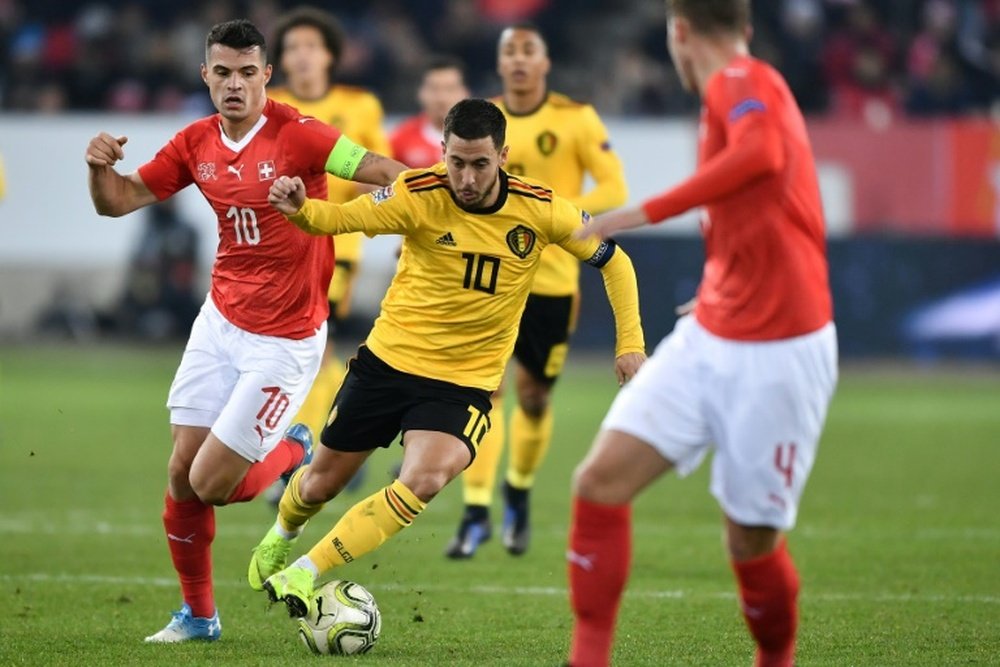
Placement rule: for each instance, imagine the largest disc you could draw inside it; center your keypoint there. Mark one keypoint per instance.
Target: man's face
(441, 90)
(236, 80)
(304, 55)
(522, 60)
(473, 169)
(678, 31)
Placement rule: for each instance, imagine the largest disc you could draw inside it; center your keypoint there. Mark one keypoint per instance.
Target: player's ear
(267, 73)
(204, 73)
(503, 155)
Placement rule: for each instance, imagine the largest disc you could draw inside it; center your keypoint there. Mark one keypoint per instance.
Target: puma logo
(586, 562)
(187, 540)
(260, 434)
(233, 170)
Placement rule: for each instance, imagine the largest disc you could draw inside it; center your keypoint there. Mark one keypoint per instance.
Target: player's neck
(235, 131)
(523, 102)
(309, 90)
(716, 55)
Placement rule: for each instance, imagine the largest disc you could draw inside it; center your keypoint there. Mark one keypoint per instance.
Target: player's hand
(287, 194)
(104, 150)
(608, 224)
(627, 365)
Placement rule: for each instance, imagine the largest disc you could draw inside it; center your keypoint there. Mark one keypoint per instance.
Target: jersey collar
(237, 146)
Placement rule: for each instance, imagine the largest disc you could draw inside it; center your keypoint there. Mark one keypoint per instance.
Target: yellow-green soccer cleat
(269, 557)
(293, 586)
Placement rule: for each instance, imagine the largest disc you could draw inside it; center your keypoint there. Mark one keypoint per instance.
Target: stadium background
(898, 539)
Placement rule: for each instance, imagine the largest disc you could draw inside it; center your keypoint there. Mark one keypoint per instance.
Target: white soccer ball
(343, 619)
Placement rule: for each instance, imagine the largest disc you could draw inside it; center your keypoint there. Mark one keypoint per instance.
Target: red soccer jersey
(765, 275)
(269, 277)
(416, 143)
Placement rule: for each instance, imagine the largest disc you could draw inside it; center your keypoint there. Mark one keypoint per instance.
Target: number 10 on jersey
(245, 225)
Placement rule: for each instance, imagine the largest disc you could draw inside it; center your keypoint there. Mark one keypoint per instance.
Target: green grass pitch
(898, 543)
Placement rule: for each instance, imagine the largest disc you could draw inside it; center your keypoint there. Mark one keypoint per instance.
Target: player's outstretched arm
(112, 193)
(376, 169)
(378, 213)
(623, 294)
(608, 224)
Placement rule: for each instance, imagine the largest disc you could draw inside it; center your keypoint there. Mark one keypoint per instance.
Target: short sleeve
(169, 171)
(742, 103)
(308, 143)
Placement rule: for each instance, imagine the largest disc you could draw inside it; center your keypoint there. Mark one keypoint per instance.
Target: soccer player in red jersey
(417, 141)
(750, 372)
(257, 343)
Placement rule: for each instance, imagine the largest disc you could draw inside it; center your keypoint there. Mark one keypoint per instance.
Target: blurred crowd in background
(841, 57)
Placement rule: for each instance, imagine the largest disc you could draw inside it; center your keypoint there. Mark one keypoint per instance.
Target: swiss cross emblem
(206, 170)
(266, 171)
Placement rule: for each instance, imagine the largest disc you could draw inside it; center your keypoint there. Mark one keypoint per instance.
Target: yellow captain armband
(344, 159)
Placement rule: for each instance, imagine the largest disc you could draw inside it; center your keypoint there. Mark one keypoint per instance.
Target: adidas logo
(446, 239)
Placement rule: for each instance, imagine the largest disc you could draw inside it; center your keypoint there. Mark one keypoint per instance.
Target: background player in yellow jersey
(558, 141)
(473, 238)
(308, 44)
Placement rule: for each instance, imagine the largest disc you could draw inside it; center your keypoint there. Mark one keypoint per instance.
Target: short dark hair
(439, 62)
(324, 22)
(476, 118)
(237, 34)
(713, 16)
(527, 26)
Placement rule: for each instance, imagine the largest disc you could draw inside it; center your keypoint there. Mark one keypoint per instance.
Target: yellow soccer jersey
(453, 308)
(558, 144)
(358, 114)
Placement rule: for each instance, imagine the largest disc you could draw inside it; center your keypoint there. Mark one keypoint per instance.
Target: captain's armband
(603, 254)
(344, 159)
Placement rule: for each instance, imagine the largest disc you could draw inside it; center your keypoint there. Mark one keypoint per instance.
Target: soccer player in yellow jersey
(473, 240)
(558, 141)
(308, 45)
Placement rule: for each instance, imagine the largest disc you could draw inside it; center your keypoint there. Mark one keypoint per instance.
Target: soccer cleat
(269, 557)
(516, 527)
(184, 627)
(293, 586)
(300, 434)
(474, 529)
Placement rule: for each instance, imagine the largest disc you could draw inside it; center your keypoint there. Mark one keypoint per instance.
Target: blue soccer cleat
(184, 627)
(299, 433)
(474, 530)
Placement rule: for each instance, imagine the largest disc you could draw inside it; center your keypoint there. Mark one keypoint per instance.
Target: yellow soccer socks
(364, 527)
(529, 442)
(293, 512)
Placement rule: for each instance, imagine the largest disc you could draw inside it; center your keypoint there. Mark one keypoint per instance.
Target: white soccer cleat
(184, 627)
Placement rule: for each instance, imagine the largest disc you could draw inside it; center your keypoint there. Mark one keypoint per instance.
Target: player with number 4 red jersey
(749, 374)
(257, 343)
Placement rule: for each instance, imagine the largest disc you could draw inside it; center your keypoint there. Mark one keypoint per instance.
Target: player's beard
(477, 204)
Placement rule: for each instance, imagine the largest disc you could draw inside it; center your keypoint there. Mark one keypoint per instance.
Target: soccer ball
(343, 619)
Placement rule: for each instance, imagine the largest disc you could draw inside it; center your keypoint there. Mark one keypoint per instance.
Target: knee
(589, 482)
(178, 478)
(534, 401)
(749, 542)
(428, 483)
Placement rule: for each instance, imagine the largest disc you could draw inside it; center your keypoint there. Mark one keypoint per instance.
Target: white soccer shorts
(760, 404)
(244, 386)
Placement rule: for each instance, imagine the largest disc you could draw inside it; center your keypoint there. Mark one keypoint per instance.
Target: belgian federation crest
(521, 241)
(546, 142)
